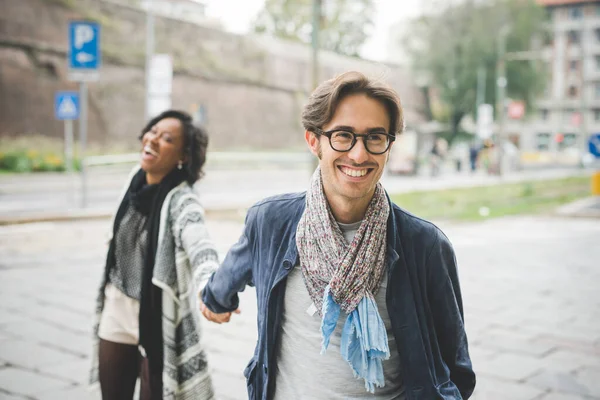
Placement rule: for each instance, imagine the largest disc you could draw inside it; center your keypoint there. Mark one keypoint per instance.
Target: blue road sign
(84, 46)
(594, 144)
(66, 105)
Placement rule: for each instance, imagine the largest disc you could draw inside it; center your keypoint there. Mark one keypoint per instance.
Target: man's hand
(214, 317)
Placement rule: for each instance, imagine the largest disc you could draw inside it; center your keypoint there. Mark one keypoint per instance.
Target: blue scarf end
(364, 341)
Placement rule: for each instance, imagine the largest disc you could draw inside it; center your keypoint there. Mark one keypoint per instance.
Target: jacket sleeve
(447, 309)
(221, 292)
(191, 234)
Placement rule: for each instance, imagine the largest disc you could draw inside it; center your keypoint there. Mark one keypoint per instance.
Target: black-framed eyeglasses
(343, 141)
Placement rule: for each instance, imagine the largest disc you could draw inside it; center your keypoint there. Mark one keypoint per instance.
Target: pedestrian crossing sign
(66, 105)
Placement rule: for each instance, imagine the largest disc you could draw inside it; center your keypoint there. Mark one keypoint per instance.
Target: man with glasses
(356, 297)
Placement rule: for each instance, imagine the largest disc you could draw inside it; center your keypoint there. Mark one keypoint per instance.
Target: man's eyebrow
(351, 129)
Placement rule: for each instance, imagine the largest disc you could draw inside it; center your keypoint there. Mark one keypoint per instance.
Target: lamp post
(501, 92)
(316, 28)
(149, 52)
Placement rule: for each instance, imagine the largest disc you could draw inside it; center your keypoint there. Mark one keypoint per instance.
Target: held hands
(214, 317)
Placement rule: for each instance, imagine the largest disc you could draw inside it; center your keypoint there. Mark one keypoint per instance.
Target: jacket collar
(392, 236)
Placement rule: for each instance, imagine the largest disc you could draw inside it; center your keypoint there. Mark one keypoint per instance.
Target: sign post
(84, 63)
(485, 121)
(66, 108)
(160, 82)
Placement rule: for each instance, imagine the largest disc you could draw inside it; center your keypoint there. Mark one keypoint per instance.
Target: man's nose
(359, 153)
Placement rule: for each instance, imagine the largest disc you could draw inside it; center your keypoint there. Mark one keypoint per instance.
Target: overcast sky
(237, 16)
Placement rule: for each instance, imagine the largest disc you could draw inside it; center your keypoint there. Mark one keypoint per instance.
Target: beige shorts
(119, 322)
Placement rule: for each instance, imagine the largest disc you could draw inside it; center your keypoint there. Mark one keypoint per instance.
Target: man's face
(352, 175)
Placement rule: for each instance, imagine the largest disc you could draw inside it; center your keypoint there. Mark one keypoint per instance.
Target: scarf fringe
(364, 343)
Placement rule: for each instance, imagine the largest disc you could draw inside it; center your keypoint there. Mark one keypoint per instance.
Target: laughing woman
(159, 256)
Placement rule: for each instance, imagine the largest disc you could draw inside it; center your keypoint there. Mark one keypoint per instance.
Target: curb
(83, 215)
(584, 208)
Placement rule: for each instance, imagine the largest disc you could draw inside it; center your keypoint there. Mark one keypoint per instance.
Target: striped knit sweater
(185, 259)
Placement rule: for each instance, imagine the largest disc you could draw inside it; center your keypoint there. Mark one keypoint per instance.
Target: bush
(31, 154)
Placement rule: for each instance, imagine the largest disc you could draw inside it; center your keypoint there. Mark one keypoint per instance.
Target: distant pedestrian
(438, 154)
(357, 298)
(159, 257)
(474, 150)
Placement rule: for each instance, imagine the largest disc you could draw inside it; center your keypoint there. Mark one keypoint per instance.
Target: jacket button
(287, 264)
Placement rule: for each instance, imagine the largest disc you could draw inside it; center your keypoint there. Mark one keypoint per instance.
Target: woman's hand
(214, 317)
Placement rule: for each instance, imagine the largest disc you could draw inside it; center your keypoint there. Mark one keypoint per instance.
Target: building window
(597, 32)
(573, 91)
(597, 114)
(597, 58)
(598, 10)
(566, 141)
(544, 114)
(573, 37)
(542, 141)
(576, 12)
(597, 90)
(574, 65)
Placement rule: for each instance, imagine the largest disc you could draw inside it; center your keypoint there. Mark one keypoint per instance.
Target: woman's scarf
(148, 199)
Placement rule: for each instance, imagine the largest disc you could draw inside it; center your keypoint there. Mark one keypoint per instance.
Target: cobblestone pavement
(530, 288)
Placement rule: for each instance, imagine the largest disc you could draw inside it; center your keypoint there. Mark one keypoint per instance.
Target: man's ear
(313, 142)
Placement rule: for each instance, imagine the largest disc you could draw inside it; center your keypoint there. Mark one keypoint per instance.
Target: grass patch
(477, 203)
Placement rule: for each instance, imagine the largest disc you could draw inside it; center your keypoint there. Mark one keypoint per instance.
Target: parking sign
(84, 51)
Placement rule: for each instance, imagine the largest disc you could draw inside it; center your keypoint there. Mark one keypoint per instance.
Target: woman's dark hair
(195, 142)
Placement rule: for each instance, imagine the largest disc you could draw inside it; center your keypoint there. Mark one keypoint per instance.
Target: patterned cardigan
(185, 259)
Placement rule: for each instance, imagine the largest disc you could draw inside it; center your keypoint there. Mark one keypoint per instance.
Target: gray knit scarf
(353, 270)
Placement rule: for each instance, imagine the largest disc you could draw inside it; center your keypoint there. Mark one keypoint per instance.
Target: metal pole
(316, 27)
(149, 52)
(68, 146)
(584, 112)
(83, 140)
(500, 95)
(481, 77)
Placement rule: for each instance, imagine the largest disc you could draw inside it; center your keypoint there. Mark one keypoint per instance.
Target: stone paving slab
(28, 383)
(532, 309)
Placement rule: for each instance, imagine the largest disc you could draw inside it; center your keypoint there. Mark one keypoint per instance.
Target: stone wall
(252, 87)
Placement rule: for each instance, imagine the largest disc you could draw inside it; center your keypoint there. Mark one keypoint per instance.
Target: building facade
(569, 110)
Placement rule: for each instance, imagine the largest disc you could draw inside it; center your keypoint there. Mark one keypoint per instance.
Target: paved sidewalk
(530, 290)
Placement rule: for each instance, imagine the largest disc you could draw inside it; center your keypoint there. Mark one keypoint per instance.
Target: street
(44, 195)
(530, 292)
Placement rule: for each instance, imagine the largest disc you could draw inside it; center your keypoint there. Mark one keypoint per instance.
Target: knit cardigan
(185, 259)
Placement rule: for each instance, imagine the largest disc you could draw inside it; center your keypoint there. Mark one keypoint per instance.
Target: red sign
(516, 109)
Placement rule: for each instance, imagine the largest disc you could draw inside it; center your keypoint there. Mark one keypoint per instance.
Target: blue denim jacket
(423, 297)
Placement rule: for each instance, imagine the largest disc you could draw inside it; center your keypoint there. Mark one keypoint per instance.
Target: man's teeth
(354, 172)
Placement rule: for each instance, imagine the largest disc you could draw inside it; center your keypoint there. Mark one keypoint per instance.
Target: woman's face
(162, 149)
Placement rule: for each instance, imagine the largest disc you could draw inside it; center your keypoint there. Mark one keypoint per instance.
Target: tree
(345, 24)
(449, 45)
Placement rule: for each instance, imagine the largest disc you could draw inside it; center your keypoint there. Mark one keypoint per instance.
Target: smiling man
(357, 298)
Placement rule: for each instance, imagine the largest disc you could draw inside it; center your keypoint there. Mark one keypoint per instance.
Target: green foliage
(449, 45)
(38, 153)
(70, 4)
(30, 161)
(345, 24)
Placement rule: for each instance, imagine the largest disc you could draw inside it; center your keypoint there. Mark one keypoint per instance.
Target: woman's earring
(180, 164)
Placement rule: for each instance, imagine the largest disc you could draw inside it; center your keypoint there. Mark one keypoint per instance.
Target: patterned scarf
(346, 276)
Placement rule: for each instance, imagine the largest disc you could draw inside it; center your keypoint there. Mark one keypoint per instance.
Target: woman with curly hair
(159, 257)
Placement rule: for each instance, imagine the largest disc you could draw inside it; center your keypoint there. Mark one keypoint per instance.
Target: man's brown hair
(324, 100)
